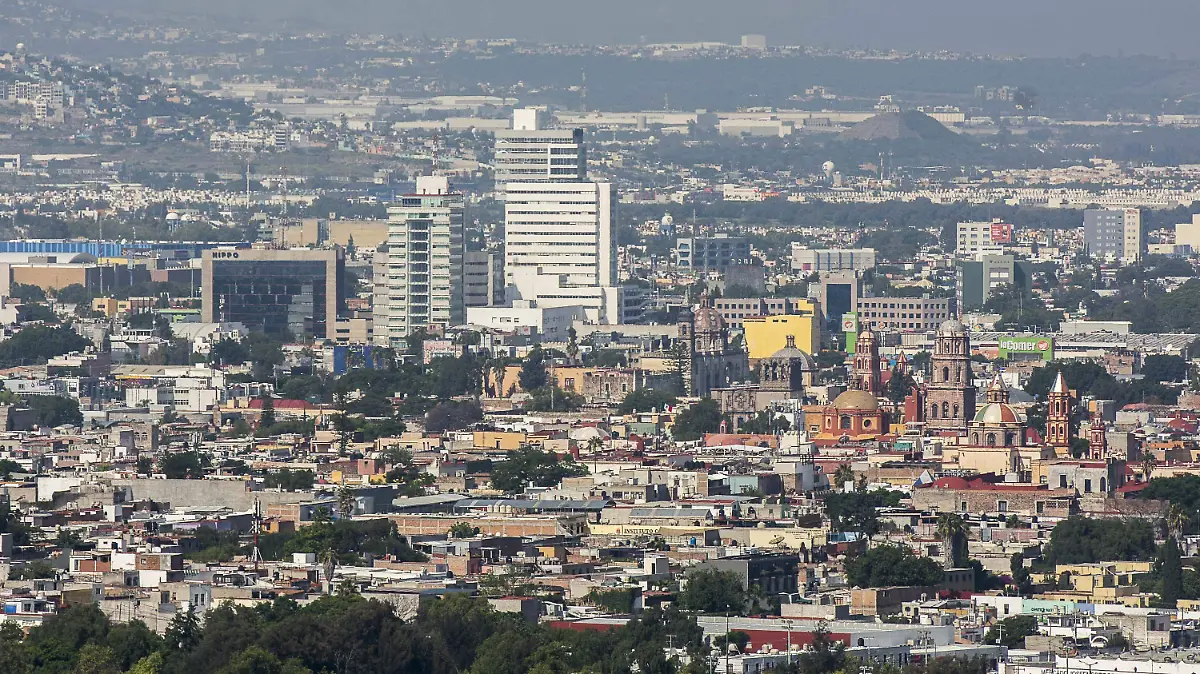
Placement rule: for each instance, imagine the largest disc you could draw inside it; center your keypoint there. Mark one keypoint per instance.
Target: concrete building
(978, 278)
(899, 314)
(1188, 233)
(735, 310)
(833, 259)
(560, 247)
(527, 316)
(712, 253)
(424, 262)
(766, 335)
(299, 291)
(976, 237)
(1114, 233)
(483, 278)
(531, 153)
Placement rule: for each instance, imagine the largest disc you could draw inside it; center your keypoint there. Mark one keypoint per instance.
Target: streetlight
(788, 625)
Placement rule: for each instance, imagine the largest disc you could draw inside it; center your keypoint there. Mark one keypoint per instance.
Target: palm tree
(952, 531)
(842, 475)
(329, 560)
(346, 501)
(1148, 465)
(1178, 520)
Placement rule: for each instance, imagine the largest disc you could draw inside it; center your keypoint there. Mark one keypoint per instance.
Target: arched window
(955, 410)
(933, 411)
(1010, 439)
(845, 423)
(945, 410)
(945, 375)
(974, 438)
(991, 439)
(1104, 484)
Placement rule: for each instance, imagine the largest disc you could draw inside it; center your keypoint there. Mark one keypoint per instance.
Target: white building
(560, 247)
(423, 284)
(977, 237)
(1188, 233)
(527, 316)
(1114, 233)
(531, 153)
(832, 259)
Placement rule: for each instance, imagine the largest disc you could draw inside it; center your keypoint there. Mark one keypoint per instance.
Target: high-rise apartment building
(976, 237)
(560, 247)
(979, 278)
(712, 253)
(531, 153)
(424, 263)
(483, 278)
(298, 291)
(1114, 233)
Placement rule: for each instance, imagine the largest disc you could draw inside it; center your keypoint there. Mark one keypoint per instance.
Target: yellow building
(767, 334)
(505, 441)
(111, 307)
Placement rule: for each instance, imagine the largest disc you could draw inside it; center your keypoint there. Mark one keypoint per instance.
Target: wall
(192, 493)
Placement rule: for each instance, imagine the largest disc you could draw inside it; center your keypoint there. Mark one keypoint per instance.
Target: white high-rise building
(529, 152)
(423, 283)
(560, 247)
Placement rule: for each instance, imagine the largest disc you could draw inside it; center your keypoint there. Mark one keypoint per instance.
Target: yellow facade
(767, 334)
(504, 441)
(111, 307)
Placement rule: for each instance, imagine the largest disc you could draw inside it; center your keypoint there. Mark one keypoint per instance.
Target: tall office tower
(298, 291)
(483, 278)
(531, 153)
(1114, 233)
(560, 247)
(424, 261)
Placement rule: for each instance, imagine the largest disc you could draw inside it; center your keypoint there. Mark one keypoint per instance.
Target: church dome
(951, 327)
(707, 319)
(856, 400)
(997, 413)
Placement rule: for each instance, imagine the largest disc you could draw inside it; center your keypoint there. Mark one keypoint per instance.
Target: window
(1039, 507)
(845, 423)
(1087, 486)
(1062, 481)
(1002, 506)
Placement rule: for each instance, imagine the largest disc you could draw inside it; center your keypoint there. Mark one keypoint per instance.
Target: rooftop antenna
(247, 182)
(583, 92)
(437, 143)
(255, 555)
(283, 188)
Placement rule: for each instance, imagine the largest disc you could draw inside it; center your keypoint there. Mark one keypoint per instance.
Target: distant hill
(899, 126)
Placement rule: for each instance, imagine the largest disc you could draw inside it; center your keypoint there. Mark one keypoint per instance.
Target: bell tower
(1058, 416)
(950, 395)
(866, 363)
(1098, 440)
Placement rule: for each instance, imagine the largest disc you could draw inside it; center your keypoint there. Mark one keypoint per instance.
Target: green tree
(888, 565)
(529, 466)
(409, 478)
(952, 531)
(54, 411)
(1082, 540)
(713, 591)
(694, 422)
(37, 343)
(1011, 632)
(646, 400)
(267, 419)
(463, 530)
(1171, 569)
(533, 374)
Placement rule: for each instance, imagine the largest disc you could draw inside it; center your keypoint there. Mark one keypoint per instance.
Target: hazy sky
(1031, 27)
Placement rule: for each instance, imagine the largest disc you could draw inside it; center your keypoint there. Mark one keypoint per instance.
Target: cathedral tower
(950, 395)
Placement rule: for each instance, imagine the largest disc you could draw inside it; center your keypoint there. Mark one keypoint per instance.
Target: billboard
(1002, 232)
(1037, 345)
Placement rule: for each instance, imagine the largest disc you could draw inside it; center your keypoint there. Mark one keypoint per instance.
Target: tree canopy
(1082, 540)
(889, 565)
